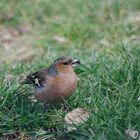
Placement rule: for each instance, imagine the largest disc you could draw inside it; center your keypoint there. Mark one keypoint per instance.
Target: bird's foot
(66, 107)
(46, 107)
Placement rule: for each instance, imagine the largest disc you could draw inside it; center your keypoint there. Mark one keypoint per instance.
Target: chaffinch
(56, 83)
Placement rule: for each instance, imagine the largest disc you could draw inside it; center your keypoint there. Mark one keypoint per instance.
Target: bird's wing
(37, 78)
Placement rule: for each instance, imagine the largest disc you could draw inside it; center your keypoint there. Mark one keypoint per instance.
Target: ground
(104, 35)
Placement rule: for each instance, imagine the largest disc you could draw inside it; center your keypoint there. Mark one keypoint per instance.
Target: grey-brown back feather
(38, 78)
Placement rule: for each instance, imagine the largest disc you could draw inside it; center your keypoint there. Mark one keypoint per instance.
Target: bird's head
(65, 64)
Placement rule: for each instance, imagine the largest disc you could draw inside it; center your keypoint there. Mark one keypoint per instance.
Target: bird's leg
(46, 107)
(66, 107)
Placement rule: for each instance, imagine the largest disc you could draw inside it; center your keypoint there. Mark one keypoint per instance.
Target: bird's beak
(75, 62)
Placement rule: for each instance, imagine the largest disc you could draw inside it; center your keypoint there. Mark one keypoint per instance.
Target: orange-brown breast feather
(58, 88)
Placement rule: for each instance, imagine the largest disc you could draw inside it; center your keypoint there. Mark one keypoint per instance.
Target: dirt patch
(133, 18)
(14, 136)
(17, 44)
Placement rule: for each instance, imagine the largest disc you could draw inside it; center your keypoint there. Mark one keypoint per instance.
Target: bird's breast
(64, 85)
(57, 88)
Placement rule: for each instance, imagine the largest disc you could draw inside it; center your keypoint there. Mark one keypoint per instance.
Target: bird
(56, 83)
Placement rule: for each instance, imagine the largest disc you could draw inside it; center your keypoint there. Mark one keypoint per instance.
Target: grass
(99, 33)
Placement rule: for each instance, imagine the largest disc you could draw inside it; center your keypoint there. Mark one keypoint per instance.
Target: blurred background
(103, 34)
(65, 27)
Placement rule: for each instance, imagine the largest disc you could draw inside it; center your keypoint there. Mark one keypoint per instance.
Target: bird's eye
(65, 63)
